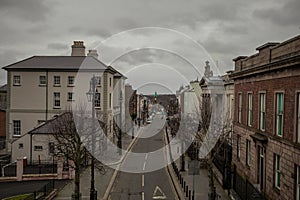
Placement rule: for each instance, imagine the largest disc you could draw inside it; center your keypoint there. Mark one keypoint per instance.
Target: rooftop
(58, 63)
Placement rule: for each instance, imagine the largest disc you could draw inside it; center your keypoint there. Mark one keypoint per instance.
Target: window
(279, 114)
(249, 120)
(43, 80)
(277, 171)
(51, 147)
(17, 80)
(56, 80)
(248, 152)
(21, 145)
(109, 82)
(97, 99)
(98, 80)
(56, 99)
(238, 147)
(70, 80)
(38, 148)
(262, 111)
(17, 127)
(240, 108)
(298, 117)
(298, 182)
(70, 96)
(109, 100)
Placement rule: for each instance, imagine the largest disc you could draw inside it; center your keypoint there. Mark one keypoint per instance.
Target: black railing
(42, 192)
(245, 190)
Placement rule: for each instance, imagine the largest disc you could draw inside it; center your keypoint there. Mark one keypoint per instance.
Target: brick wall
(2, 123)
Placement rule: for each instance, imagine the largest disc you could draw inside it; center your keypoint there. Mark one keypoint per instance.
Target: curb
(172, 175)
(113, 178)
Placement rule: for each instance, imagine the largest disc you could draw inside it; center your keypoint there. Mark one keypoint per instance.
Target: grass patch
(19, 197)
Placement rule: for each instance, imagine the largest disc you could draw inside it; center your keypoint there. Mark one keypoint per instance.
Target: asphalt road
(141, 175)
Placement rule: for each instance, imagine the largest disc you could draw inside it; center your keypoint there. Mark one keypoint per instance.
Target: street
(143, 175)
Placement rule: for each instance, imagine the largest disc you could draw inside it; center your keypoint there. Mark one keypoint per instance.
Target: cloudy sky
(222, 30)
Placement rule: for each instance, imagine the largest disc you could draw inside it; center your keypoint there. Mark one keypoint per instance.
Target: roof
(58, 63)
(3, 88)
(116, 73)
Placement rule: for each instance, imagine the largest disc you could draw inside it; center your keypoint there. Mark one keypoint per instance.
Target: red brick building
(266, 138)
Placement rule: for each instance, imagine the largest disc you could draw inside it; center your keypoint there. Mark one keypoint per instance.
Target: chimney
(78, 49)
(93, 52)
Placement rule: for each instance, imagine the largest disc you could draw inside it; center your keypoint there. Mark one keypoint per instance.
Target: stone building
(266, 132)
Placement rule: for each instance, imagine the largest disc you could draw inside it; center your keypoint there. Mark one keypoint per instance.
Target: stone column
(19, 169)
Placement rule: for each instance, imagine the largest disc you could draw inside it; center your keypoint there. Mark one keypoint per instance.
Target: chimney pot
(78, 48)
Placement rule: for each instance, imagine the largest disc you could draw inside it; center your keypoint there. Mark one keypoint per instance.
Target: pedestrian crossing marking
(158, 193)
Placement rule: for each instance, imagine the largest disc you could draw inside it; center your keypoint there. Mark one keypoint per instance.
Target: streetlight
(120, 124)
(91, 98)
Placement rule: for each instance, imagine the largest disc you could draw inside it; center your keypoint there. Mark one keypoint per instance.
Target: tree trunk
(77, 194)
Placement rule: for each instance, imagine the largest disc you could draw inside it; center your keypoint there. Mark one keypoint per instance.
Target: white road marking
(144, 166)
(146, 157)
(158, 193)
(143, 195)
(143, 180)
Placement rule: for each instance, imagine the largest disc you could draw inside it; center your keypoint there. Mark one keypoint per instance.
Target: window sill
(56, 108)
(16, 84)
(56, 85)
(70, 100)
(276, 189)
(42, 85)
(16, 136)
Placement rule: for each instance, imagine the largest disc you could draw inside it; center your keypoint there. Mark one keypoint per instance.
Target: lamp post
(120, 125)
(91, 98)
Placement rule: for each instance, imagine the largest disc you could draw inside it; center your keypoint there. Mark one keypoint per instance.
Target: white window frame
(279, 115)
(56, 100)
(248, 152)
(17, 127)
(297, 182)
(56, 80)
(238, 146)
(250, 109)
(16, 80)
(70, 96)
(38, 148)
(240, 104)
(98, 80)
(41, 81)
(97, 100)
(71, 80)
(277, 171)
(262, 111)
(298, 117)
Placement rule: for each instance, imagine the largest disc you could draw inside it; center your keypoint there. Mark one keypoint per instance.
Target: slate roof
(57, 63)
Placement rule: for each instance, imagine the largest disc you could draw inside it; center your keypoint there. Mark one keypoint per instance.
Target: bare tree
(72, 145)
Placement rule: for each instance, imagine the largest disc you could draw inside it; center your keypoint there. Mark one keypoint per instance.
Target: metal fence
(42, 192)
(244, 189)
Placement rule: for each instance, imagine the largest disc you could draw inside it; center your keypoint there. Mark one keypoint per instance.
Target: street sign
(194, 167)
(158, 193)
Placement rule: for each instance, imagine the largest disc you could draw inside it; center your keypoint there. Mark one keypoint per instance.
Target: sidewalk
(101, 180)
(200, 183)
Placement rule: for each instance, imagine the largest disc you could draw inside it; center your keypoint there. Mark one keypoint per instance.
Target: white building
(40, 87)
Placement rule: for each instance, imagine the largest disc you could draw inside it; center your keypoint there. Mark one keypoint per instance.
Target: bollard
(187, 191)
(189, 194)
(183, 186)
(193, 195)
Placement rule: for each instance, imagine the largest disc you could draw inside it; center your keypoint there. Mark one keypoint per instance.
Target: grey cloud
(126, 23)
(58, 46)
(30, 10)
(287, 15)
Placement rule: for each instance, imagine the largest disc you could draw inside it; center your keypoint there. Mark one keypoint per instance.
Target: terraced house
(41, 87)
(266, 153)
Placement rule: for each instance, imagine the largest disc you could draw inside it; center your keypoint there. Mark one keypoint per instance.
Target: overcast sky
(224, 29)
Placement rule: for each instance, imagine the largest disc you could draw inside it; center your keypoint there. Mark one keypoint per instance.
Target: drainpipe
(46, 95)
